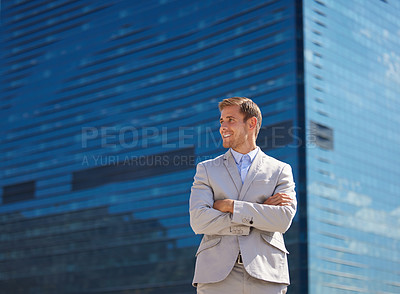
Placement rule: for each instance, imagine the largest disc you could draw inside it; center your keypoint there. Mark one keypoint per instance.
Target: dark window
(18, 192)
(322, 135)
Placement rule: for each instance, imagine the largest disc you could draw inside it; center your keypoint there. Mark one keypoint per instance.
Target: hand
(225, 205)
(279, 199)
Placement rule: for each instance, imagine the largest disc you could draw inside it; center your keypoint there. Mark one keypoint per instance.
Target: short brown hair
(247, 107)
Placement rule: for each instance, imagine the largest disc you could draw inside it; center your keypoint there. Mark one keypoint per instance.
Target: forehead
(233, 110)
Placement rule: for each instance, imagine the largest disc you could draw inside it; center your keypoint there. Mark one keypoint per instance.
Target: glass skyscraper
(106, 107)
(352, 90)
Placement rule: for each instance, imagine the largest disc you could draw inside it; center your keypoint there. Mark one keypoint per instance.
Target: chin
(226, 144)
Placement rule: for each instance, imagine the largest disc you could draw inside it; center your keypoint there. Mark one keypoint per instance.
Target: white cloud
(366, 33)
(385, 33)
(358, 199)
(366, 218)
(392, 63)
(379, 222)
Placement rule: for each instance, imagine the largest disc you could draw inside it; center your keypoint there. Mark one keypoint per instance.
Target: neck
(245, 148)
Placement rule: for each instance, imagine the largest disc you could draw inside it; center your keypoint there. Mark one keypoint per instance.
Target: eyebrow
(229, 116)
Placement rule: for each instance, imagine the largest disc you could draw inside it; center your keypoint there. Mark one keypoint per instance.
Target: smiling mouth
(227, 135)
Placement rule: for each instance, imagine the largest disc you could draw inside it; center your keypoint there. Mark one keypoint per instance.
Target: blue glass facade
(106, 107)
(352, 89)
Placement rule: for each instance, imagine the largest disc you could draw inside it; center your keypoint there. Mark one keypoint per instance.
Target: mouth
(227, 135)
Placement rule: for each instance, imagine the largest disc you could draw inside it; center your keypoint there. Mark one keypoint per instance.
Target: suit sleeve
(269, 218)
(203, 218)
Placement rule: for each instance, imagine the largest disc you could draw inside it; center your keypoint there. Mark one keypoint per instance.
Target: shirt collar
(238, 156)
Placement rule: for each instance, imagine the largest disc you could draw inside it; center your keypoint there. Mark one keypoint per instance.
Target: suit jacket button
(251, 222)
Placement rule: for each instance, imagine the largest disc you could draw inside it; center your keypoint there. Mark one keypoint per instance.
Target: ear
(252, 123)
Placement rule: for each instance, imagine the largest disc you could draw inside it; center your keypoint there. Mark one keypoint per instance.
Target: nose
(223, 126)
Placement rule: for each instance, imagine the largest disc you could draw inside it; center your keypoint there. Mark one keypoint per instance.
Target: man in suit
(242, 201)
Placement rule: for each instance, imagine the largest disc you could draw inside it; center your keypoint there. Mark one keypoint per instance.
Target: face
(234, 131)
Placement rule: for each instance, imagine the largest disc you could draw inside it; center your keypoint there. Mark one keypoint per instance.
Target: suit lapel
(251, 174)
(230, 165)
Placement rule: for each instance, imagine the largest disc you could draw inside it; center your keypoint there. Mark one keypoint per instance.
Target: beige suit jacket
(254, 229)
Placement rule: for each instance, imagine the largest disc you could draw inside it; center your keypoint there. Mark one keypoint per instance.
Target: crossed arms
(278, 199)
(214, 217)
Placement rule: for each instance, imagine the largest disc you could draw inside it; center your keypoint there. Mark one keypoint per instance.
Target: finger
(278, 196)
(273, 199)
(285, 204)
(277, 201)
